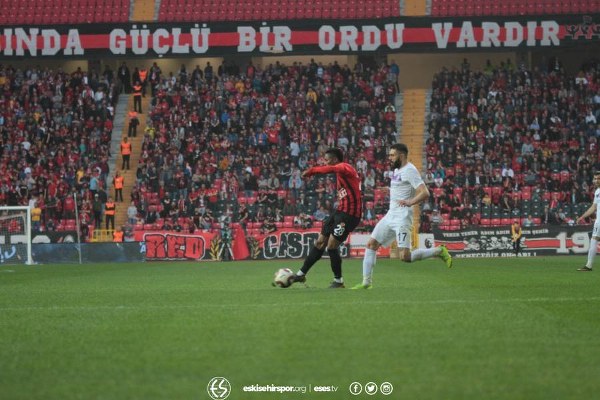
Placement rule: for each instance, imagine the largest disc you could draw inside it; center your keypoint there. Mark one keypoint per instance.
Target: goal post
(15, 235)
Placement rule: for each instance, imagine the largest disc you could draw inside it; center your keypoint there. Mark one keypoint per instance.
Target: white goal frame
(25, 236)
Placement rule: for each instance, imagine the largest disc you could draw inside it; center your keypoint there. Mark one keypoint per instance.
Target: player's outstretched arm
(589, 212)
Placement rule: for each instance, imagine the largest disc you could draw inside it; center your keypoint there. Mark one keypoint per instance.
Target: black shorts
(339, 225)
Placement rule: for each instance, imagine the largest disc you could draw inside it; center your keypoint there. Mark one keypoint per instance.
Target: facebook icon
(355, 388)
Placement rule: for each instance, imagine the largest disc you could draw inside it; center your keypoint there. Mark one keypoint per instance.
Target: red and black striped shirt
(348, 186)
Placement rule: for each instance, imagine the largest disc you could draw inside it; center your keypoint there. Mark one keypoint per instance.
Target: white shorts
(596, 230)
(396, 226)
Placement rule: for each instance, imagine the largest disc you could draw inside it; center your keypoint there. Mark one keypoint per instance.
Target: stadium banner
(496, 241)
(45, 237)
(202, 38)
(9, 243)
(167, 245)
(54, 237)
(68, 253)
(236, 245)
(426, 240)
(286, 244)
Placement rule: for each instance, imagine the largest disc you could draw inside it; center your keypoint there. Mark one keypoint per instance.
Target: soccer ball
(282, 277)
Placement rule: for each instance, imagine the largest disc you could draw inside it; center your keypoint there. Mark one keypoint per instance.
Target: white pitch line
(375, 302)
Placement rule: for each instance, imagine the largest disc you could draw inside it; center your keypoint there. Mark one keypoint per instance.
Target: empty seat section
(451, 8)
(56, 12)
(240, 10)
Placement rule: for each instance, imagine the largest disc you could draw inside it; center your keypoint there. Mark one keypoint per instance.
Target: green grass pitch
(486, 329)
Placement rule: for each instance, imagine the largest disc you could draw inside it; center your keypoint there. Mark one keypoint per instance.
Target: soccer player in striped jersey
(344, 220)
(406, 190)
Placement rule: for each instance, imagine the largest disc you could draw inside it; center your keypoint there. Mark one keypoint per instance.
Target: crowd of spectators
(233, 141)
(508, 143)
(227, 145)
(55, 132)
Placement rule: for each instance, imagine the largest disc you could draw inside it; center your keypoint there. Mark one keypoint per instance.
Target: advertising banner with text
(496, 242)
(151, 40)
(282, 244)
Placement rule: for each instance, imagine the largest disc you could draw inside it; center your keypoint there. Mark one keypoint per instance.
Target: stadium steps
(413, 132)
(136, 150)
(143, 10)
(156, 10)
(119, 125)
(413, 8)
(426, 126)
(428, 7)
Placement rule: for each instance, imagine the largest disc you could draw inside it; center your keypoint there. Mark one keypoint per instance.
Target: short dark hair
(336, 152)
(597, 172)
(400, 147)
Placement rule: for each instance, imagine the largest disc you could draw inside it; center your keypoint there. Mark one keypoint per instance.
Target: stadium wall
(473, 242)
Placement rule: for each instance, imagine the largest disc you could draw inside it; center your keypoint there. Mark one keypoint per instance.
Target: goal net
(15, 235)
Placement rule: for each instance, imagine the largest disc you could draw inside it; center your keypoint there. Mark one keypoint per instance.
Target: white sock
(421, 254)
(299, 273)
(341, 280)
(368, 263)
(592, 253)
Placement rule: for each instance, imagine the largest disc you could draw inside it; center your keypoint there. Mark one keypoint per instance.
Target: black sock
(314, 256)
(336, 263)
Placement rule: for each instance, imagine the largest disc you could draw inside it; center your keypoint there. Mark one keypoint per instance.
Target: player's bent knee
(373, 245)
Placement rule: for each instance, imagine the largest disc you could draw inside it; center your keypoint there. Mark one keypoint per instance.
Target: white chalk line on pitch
(382, 302)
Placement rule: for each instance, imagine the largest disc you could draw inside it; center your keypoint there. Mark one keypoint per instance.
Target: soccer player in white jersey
(596, 231)
(406, 190)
